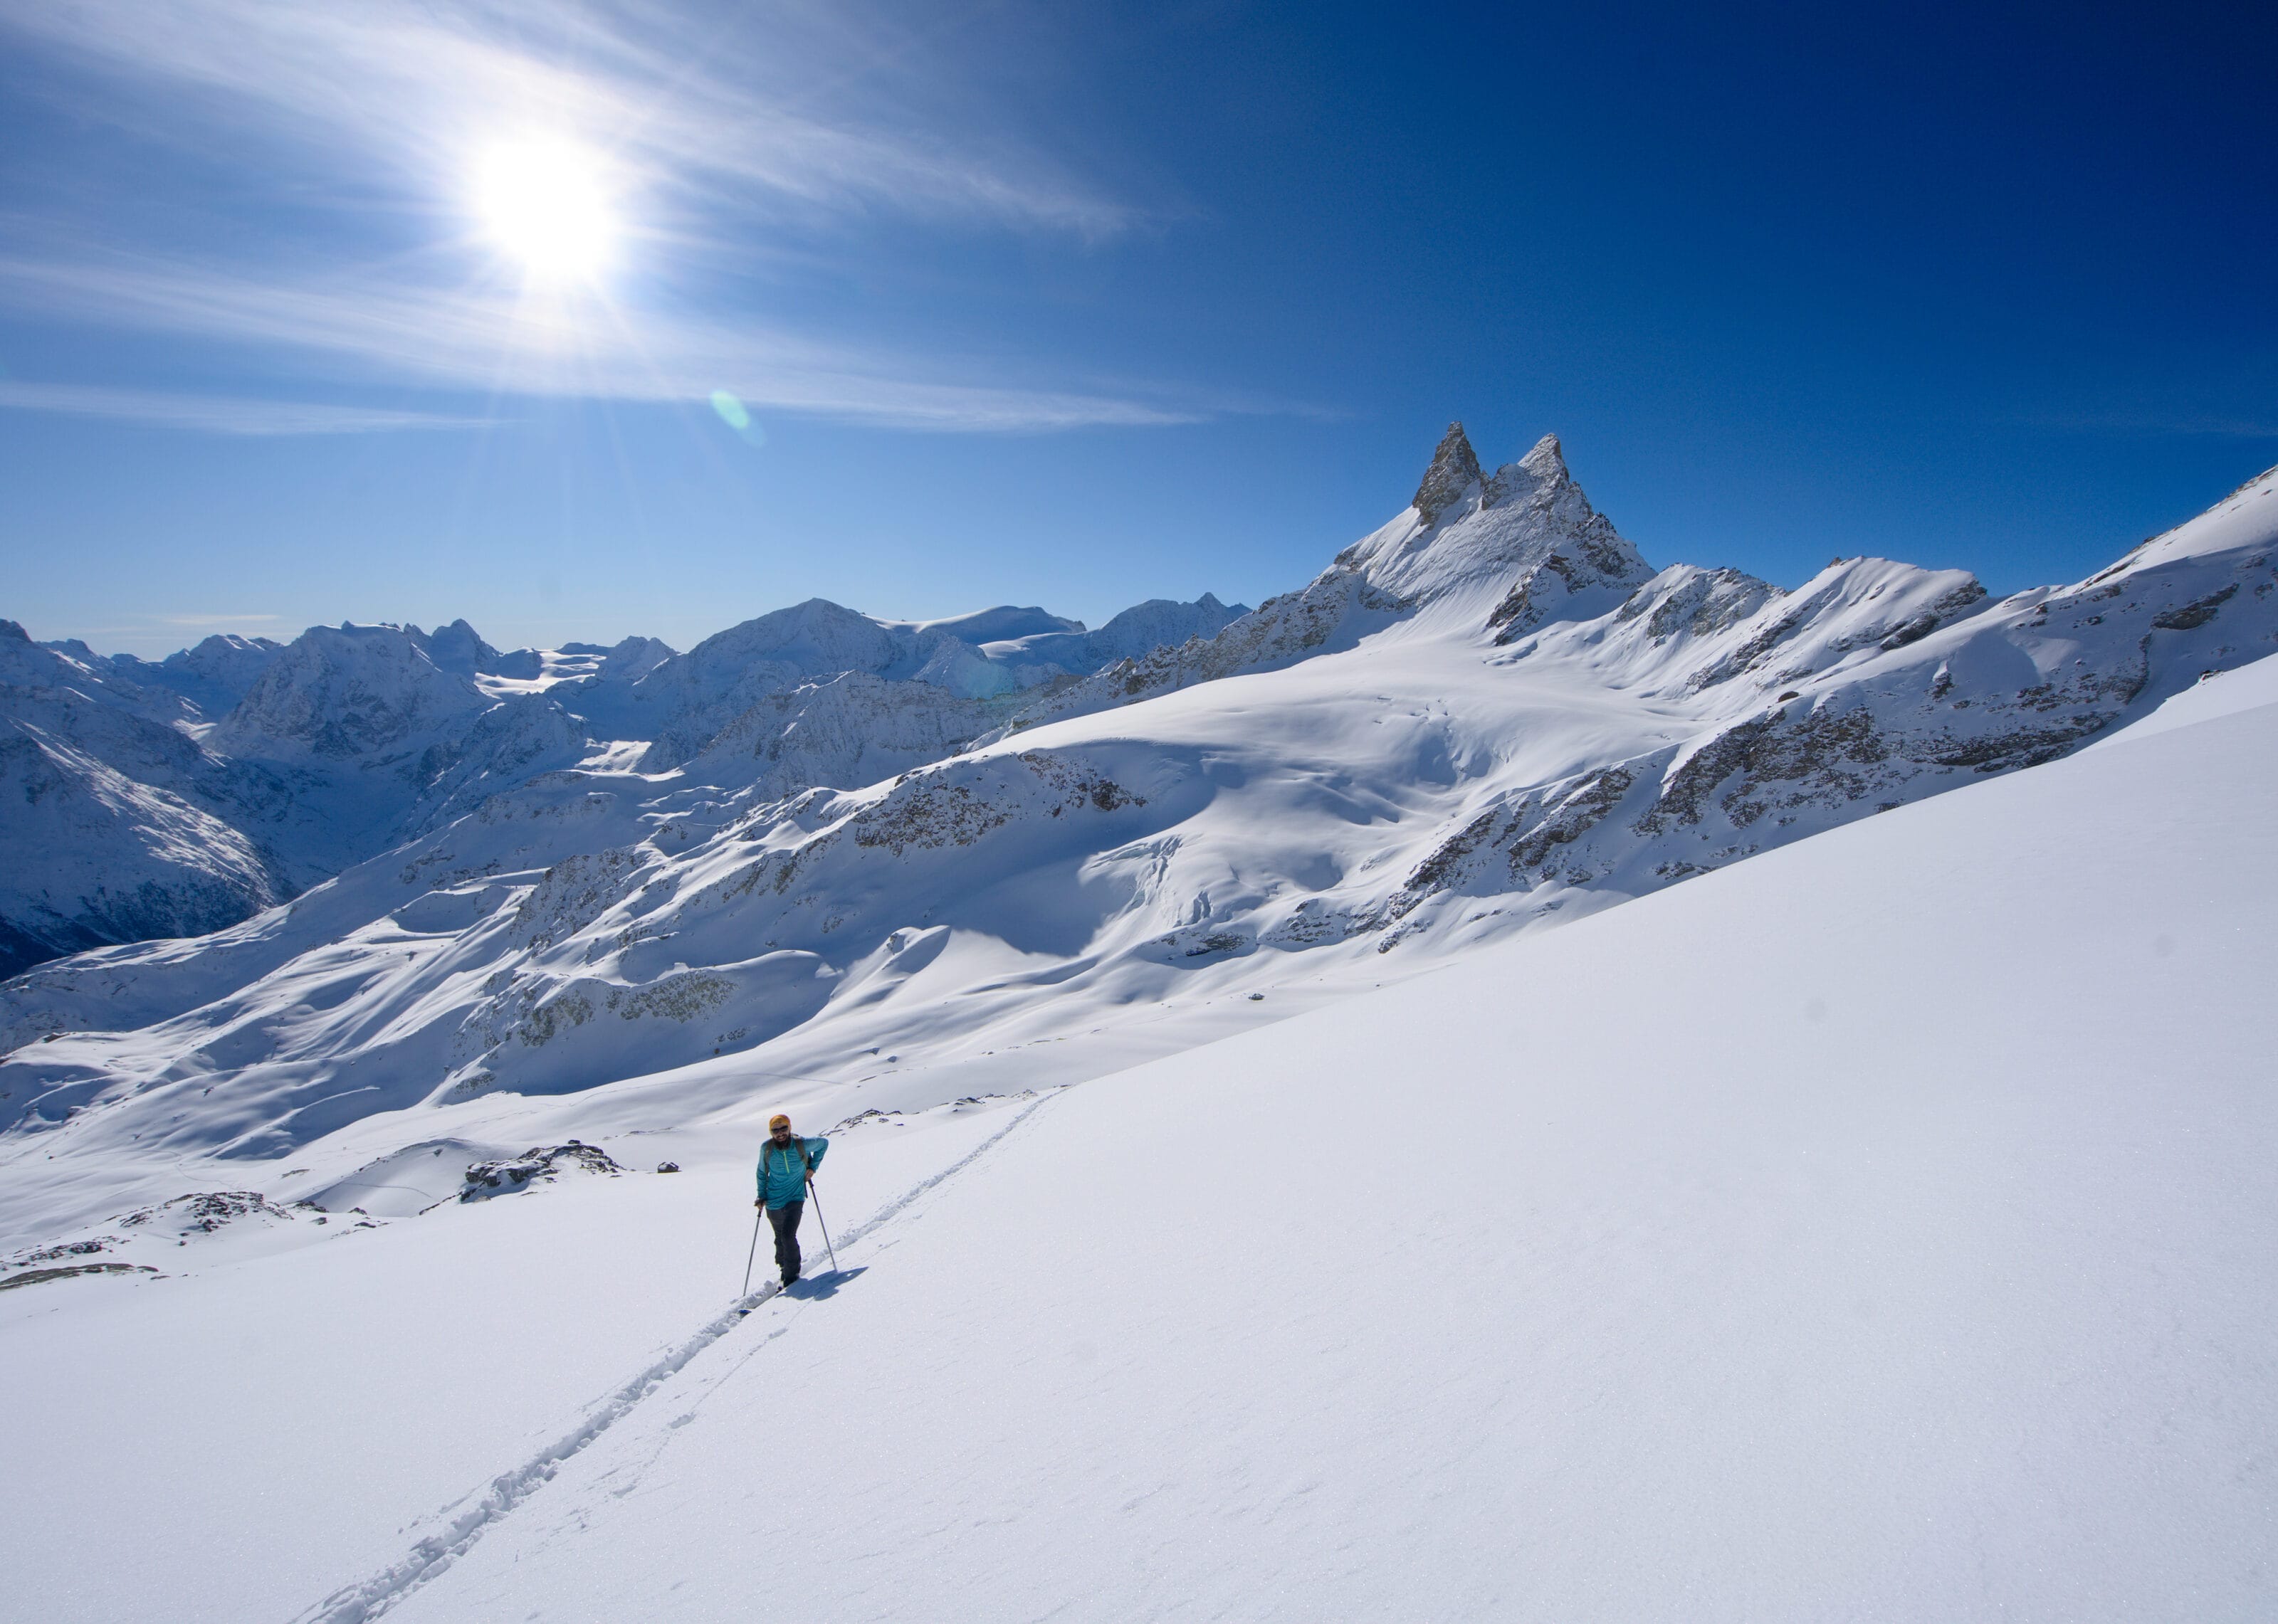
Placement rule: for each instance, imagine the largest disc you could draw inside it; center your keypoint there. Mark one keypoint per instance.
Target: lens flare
(736, 416)
(732, 410)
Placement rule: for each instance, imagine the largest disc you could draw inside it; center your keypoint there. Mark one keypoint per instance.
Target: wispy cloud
(686, 94)
(759, 124)
(491, 341)
(217, 414)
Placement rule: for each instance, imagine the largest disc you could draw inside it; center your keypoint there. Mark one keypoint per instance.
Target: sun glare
(543, 204)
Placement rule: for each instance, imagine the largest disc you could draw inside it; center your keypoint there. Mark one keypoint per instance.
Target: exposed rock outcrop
(540, 1164)
(1453, 472)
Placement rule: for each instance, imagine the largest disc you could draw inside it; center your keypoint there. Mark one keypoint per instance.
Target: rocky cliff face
(1451, 476)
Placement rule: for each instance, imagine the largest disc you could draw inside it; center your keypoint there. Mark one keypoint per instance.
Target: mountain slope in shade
(1443, 770)
(132, 860)
(213, 676)
(1796, 1243)
(108, 810)
(381, 730)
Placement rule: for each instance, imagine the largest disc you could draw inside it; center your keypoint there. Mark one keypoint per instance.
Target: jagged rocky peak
(1541, 471)
(1455, 470)
(9, 628)
(1540, 481)
(1530, 517)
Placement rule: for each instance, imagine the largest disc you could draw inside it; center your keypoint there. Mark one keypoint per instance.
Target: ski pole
(826, 1230)
(755, 1253)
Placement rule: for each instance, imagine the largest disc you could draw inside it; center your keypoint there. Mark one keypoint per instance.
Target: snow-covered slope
(530, 671)
(127, 859)
(1443, 767)
(1509, 551)
(108, 811)
(1818, 1255)
(2216, 693)
(1878, 1230)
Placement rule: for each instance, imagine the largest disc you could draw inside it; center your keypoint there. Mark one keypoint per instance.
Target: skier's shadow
(810, 1288)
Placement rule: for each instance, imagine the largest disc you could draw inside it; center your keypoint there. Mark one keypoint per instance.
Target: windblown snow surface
(1879, 1229)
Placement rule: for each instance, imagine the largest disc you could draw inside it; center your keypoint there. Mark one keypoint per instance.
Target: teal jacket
(783, 1169)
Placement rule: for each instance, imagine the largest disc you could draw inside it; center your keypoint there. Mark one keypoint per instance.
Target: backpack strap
(805, 1167)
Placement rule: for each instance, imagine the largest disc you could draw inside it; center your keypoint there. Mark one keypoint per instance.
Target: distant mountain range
(837, 848)
(170, 798)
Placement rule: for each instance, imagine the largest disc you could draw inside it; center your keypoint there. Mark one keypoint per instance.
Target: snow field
(246, 1436)
(1877, 1229)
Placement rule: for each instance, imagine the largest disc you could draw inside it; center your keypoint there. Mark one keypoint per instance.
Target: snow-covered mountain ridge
(1474, 724)
(1514, 550)
(178, 797)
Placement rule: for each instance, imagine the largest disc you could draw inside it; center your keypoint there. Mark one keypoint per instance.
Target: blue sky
(1079, 304)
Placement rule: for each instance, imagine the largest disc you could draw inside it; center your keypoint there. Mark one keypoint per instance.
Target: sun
(544, 202)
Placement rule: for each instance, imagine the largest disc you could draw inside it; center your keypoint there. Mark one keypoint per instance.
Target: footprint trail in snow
(370, 1597)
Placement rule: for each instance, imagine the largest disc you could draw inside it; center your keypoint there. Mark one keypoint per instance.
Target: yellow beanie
(777, 1121)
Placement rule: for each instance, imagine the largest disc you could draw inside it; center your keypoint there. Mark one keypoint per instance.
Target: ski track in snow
(358, 1604)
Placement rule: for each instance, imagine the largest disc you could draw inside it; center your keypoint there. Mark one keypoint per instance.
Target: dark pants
(785, 1222)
